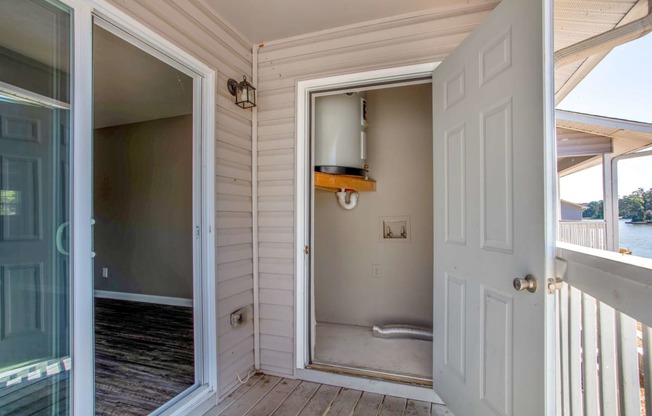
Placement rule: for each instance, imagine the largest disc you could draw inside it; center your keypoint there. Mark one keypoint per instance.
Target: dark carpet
(144, 355)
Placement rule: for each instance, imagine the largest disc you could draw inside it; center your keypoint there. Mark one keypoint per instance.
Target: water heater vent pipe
(352, 198)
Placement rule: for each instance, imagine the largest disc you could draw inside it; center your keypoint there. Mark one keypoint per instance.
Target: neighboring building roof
(583, 138)
(583, 207)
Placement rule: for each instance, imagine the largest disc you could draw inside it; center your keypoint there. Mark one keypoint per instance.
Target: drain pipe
(352, 198)
(254, 212)
(607, 40)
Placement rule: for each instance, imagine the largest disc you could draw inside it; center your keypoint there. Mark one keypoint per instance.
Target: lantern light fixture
(244, 92)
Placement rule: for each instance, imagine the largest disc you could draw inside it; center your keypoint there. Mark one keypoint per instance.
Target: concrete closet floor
(356, 347)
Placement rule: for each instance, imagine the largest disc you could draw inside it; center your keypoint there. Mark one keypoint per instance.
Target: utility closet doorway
(371, 231)
(147, 210)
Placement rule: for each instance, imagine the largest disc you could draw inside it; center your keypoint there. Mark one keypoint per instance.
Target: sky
(620, 86)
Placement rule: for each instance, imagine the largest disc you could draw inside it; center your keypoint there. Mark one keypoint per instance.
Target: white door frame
(303, 232)
(206, 396)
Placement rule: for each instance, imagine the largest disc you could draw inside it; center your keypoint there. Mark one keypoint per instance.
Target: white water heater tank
(341, 134)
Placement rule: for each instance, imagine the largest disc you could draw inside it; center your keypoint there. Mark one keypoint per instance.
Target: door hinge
(197, 231)
(556, 283)
(306, 250)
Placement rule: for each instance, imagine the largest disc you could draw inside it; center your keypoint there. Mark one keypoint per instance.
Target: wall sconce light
(244, 92)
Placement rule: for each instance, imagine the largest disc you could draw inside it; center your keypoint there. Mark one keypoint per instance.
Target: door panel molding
(496, 177)
(24, 129)
(496, 351)
(16, 282)
(26, 223)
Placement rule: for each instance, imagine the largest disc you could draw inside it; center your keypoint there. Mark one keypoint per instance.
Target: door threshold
(371, 374)
(369, 384)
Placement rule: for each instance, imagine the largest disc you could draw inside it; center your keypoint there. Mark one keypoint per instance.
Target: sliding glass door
(35, 207)
(46, 259)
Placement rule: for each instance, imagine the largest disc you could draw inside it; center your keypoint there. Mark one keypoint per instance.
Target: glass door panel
(35, 139)
(145, 265)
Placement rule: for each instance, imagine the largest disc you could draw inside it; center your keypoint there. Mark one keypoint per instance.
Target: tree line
(636, 206)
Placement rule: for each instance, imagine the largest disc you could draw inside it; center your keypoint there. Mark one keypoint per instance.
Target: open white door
(494, 193)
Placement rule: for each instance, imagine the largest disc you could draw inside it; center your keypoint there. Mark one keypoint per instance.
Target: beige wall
(142, 180)
(347, 243)
(429, 37)
(193, 27)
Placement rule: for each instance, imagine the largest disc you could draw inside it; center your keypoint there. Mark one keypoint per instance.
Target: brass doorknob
(528, 283)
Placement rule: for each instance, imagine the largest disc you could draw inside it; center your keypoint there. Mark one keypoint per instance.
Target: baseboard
(138, 297)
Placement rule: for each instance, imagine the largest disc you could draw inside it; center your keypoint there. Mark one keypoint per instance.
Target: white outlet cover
(376, 271)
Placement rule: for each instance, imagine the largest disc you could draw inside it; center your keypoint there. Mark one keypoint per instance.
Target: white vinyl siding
(427, 37)
(193, 27)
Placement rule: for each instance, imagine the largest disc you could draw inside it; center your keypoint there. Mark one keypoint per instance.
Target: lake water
(637, 238)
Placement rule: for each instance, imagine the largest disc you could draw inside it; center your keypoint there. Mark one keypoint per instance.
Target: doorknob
(528, 283)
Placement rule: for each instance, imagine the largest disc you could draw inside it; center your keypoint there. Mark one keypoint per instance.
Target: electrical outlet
(105, 272)
(376, 271)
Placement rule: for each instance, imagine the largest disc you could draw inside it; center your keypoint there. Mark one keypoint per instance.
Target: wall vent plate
(395, 229)
(240, 317)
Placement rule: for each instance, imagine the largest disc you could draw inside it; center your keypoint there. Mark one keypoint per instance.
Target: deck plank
(248, 400)
(417, 408)
(320, 401)
(344, 402)
(234, 396)
(297, 400)
(265, 395)
(393, 406)
(267, 405)
(368, 405)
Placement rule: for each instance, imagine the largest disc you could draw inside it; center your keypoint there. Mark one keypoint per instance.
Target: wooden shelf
(333, 183)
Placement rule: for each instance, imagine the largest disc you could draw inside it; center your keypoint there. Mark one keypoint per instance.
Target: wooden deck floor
(265, 395)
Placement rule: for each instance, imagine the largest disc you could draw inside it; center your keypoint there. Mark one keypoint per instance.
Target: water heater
(341, 134)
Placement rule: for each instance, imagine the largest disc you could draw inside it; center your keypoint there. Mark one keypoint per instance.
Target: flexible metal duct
(402, 331)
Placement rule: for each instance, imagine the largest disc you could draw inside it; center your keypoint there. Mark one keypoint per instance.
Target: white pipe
(254, 209)
(607, 40)
(342, 196)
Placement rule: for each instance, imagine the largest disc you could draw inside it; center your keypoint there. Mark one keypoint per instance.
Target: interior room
(143, 210)
(373, 257)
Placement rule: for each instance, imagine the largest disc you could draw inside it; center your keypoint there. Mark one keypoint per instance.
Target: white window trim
(206, 396)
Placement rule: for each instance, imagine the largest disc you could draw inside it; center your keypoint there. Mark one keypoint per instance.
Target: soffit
(627, 137)
(577, 20)
(265, 21)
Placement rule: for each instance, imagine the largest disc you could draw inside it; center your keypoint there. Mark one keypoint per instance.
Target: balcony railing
(590, 234)
(605, 343)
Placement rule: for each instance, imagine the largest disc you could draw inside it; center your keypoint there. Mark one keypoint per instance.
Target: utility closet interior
(372, 232)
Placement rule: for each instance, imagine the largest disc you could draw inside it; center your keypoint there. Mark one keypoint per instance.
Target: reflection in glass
(35, 52)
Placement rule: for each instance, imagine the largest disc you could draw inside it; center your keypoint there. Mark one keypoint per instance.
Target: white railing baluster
(583, 233)
(607, 360)
(564, 344)
(647, 368)
(628, 376)
(575, 353)
(605, 347)
(590, 355)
